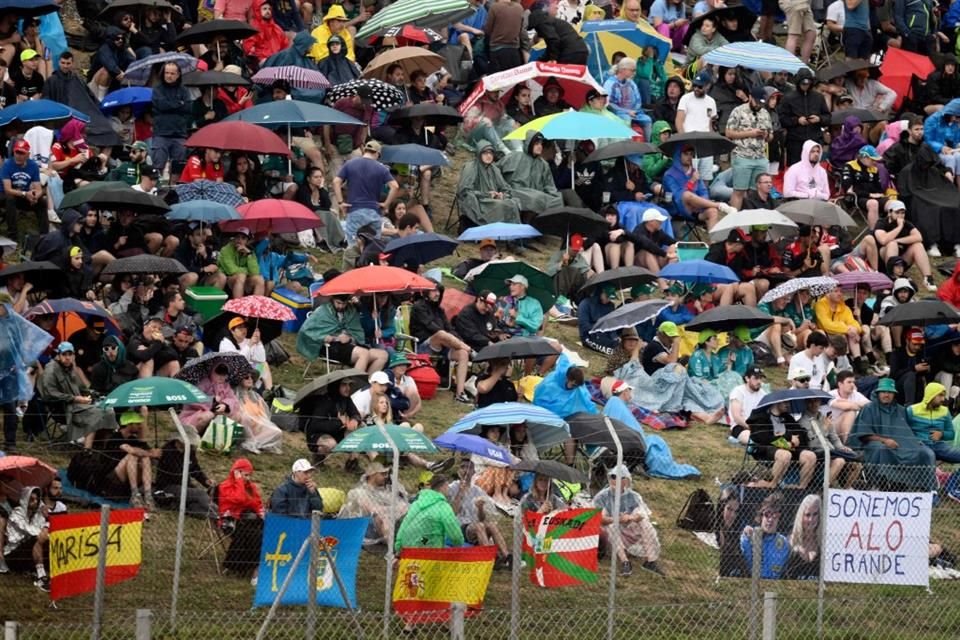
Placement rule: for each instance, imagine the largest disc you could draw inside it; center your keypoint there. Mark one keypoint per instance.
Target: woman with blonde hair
(381, 414)
(804, 561)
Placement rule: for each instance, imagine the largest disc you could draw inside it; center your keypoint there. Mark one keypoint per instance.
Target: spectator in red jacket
(241, 517)
(271, 38)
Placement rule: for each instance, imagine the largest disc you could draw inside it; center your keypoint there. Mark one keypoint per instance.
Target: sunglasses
(801, 379)
(110, 347)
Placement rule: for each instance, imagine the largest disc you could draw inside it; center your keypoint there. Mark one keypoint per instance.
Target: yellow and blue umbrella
(574, 125)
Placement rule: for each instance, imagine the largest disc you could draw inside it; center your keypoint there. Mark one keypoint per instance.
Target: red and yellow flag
(75, 547)
(429, 580)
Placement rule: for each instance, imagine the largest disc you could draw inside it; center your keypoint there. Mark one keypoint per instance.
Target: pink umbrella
(873, 279)
(273, 216)
(259, 307)
(17, 472)
(298, 77)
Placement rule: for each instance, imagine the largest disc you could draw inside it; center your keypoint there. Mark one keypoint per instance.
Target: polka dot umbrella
(382, 95)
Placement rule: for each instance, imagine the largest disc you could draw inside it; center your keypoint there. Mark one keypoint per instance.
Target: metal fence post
(614, 534)
(262, 633)
(756, 540)
(101, 572)
(518, 531)
(769, 615)
(144, 624)
(181, 516)
(10, 630)
(391, 541)
(312, 579)
(821, 583)
(458, 612)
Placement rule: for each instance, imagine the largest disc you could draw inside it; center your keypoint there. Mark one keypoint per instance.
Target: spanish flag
(429, 580)
(75, 547)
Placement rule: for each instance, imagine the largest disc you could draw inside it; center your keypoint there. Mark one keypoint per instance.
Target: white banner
(877, 538)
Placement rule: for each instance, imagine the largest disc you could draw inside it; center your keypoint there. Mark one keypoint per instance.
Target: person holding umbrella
(777, 436)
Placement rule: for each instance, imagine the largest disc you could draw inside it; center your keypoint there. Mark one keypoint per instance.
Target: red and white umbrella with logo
(259, 307)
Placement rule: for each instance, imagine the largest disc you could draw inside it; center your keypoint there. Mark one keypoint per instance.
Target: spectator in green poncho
(655, 164)
(430, 522)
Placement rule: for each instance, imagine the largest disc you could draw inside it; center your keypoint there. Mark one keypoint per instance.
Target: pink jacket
(804, 180)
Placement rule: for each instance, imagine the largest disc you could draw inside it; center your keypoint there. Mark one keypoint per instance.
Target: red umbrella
(236, 135)
(375, 279)
(17, 472)
(273, 216)
(259, 307)
(409, 34)
(899, 67)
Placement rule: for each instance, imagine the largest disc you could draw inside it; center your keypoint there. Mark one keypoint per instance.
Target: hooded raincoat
(270, 40)
(530, 178)
(430, 522)
(322, 34)
(296, 55)
(659, 459)
(848, 143)
(326, 321)
(106, 375)
(923, 187)
(802, 104)
(655, 164)
(338, 68)
(23, 525)
(805, 179)
(21, 343)
(552, 393)
(477, 182)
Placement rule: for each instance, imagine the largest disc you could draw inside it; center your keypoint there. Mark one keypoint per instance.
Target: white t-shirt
(835, 12)
(816, 367)
(700, 112)
(856, 396)
(748, 400)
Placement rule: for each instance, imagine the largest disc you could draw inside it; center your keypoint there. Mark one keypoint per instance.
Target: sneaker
(441, 465)
(934, 251)
(43, 584)
(3, 566)
(462, 397)
(930, 284)
(149, 502)
(651, 565)
(953, 495)
(726, 209)
(626, 568)
(956, 251)
(136, 500)
(253, 581)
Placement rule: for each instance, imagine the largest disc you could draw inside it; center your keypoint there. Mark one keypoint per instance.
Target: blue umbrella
(758, 56)
(499, 231)
(792, 395)
(139, 72)
(203, 211)
(126, 97)
(420, 248)
(546, 429)
(469, 443)
(39, 111)
(292, 113)
(28, 8)
(209, 190)
(698, 272)
(414, 154)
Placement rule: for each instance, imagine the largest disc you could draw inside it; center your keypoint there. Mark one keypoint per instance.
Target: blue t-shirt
(476, 21)
(20, 177)
(666, 11)
(365, 178)
(858, 18)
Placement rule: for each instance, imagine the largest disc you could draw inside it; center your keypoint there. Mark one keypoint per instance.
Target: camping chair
(326, 361)
(825, 48)
(217, 537)
(692, 250)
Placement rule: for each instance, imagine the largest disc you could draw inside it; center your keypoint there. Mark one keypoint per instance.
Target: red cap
(915, 335)
(21, 145)
(576, 242)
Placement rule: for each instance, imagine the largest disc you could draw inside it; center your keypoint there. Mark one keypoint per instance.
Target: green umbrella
(436, 13)
(80, 195)
(371, 440)
(494, 277)
(154, 392)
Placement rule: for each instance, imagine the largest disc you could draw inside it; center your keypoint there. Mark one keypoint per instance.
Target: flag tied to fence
(429, 580)
(561, 547)
(282, 538)
(75, 548)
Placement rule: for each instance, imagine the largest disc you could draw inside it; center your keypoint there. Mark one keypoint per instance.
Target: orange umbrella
(375, 279)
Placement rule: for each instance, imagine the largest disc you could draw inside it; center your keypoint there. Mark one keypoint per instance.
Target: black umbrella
(516, 348)
(431, 112)
(621, 278)
(921, 313)
(113, 198)
(704, 143)
(591, 428)
(205, 32)
(132, 6)
(745, 21)
(144, 264)
(43, 275)
(620, 149)
(560, 221)
(81, 195)
(214, 79)
(215, 328)
(791, 395)
(199, 368)
(844, 67)
(552, 469)
(837, 117)
(420, 248)
(729, 317)
(321, 384)
(629, 315)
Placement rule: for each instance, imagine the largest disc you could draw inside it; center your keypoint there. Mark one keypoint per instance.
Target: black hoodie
(172, 109)
(797, 104)
(426, 317)
(564, 44)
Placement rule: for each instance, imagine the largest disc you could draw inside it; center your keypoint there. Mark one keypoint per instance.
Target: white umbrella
(813, 212)
(817, 286)
(780, 225)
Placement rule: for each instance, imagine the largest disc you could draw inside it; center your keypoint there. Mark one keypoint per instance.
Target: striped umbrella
(873, 279)
(546, 428)
(436, 13)
(297, 77)
(758, 56)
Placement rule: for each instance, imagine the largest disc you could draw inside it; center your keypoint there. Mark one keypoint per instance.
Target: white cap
(799, 372)
(379, 377)
(653, 214)
(619, 471)
(894, 205)
(518, 279)
(302, 465)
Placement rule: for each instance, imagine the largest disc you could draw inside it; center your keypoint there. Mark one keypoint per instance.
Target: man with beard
(807, 179)
(803, 113)
(270, 40)
(932, 423)
(904, 151)
(64, 384)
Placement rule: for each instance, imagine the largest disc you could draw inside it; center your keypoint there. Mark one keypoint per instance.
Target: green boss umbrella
(370, 439)
(494, 277)
(154, 392)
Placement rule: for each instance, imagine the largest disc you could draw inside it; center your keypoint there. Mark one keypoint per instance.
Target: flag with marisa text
(561, 547)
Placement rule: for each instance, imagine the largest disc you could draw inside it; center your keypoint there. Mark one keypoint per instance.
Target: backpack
(697, 513)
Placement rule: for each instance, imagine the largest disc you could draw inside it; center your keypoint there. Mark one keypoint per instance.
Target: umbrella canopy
(18, 472)
(433, 114)
(620, 149)
(200, 368)
(134, 97)
(43, 275)
(68, 305)
(546, 429)
(408, 33)
(29, 8)
(296, 77)
(420, 248)
(410, 59)
(205, 32)
(383, 96)
(37, 111)
(214, 79)
(629, 315)
(758, 56)
(320, 386)
(516, 348)
(899, 68)
(259, 307)
(495, 274)
(469, 443)
(81, 195)
(844, 67)
(699, 272)
(499, 231)
(436, 14)
(591, 429)
(413, 154)
(817, 286)
(619, 277)
(273, 216)
(575, 80)
(296, 113)
(145, 263)
(215, 328)
(729, 317)
(139, 72)
(837, 117)
(154, 392)
(561, 221)
(780, 225)
(742, 14)
(873, 279)
(792, 395)
(132, 6)
(205, 211)
(704, 143)
(114, 198)
(573, 125)
(375, 279)
(221, 192)
(552, 469)
(604, 38)
(238, 136)
(921, 313)
(372, 440)
(816, 212)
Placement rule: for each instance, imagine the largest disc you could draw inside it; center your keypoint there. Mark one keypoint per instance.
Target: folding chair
(217, 537)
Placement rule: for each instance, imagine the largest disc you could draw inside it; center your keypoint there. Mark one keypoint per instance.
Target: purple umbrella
(469, 443)
(873, 279)
(298, 77)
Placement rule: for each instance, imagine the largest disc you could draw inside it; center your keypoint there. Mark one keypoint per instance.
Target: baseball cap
(669, 329)
(375, 467)
(844, 97)
(705, 335)
(65, 347)
(869, 151)
(21, 146)
(760, 227)
(894, 205)
(139, 145)
(620, 471)
(149, 172)
(594, 93)
(619, 387)
(489, 297)
(232, 68)
(629, 332)
(28, 54)
(913, 335)
(611, 291)
(759, 94)
(130, 417)
(754, 372)
(798, 373)
(576, 242)
(653, 214)
(741, 333)
(245, 231)
(302, 465)
(378, 377)
(373, 145)
(738, 235)
(236, 322)
(702, 79)
(488, 242)
(518, 279)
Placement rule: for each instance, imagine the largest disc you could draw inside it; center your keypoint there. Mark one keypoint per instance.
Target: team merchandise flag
(75, 548)
(282, 538)
(561, 547)
(429, 580)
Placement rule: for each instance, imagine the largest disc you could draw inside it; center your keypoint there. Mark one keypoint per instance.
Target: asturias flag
(428, 580)
(561, 547)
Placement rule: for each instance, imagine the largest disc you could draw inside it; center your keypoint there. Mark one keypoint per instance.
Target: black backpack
(697, 513)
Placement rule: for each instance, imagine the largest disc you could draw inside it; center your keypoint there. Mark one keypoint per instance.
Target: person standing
(366, 178)
(172, 114)
(696, 112)
(803, 114)
(504, 31)
(857, 38)
(750, 127)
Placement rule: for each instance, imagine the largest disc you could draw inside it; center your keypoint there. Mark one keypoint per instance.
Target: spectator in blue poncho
(562, 391)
